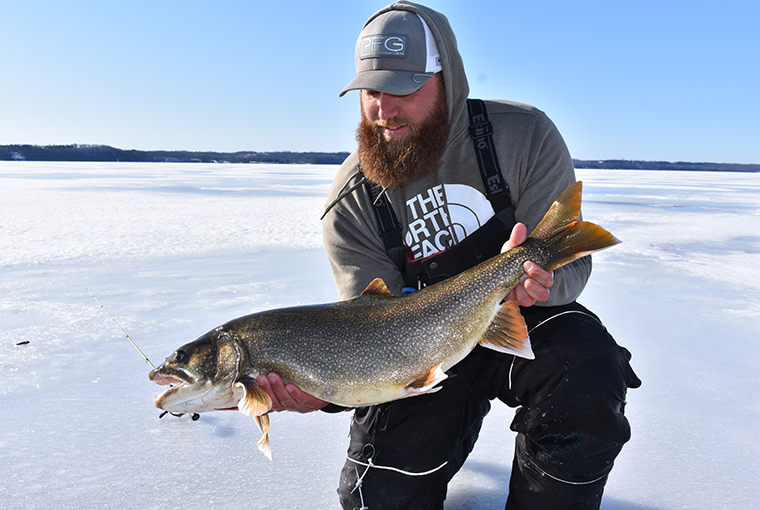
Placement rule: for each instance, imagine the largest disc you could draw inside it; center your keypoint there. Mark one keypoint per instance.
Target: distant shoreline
(622, 164)
(105, 153)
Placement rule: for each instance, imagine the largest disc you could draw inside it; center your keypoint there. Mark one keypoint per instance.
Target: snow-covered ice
(173, 250)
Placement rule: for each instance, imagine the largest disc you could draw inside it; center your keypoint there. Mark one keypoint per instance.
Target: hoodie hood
(454, 78)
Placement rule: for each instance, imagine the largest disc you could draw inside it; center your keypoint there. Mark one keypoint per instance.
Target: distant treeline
(624, 164)
(105, 153)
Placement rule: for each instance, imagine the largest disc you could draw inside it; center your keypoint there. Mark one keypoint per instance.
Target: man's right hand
(535, 283)
(288, 397)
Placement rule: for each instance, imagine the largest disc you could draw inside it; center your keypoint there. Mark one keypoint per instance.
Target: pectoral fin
(507, 332)
(263, 423)
(256, 403)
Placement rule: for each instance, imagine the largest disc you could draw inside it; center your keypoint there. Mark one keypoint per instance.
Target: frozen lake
(173, 250)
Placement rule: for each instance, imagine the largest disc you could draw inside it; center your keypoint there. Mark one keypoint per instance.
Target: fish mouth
(188, 392)
(177, 379)
(172, 377)
(178, 372)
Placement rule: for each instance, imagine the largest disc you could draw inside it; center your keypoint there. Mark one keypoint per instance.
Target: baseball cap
(395, 53)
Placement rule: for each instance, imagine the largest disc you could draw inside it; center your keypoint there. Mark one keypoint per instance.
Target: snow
(173, 250)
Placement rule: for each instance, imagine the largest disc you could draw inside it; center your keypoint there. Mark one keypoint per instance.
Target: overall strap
(483, 243)
(497, 191)
(389, 227)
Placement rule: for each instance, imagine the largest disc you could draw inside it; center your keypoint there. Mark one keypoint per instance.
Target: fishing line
(359, 486)
(511, 366)
(122, 329)
(566, 312)
(371, 464)
(194, 416)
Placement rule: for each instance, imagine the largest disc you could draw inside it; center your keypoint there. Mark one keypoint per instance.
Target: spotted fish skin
(377, 347)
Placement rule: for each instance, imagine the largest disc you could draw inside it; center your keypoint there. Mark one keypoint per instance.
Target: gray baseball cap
(396, 53)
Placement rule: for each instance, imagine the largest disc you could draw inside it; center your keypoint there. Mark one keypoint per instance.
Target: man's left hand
(535, 283)
(288, 398)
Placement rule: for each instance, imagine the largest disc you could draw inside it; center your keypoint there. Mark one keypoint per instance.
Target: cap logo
(381, 46)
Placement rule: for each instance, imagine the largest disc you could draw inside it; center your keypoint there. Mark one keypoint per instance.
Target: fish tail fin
(507, 332)
(257, 403)
(564, 236)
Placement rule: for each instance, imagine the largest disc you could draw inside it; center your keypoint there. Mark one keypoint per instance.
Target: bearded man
(436, 186)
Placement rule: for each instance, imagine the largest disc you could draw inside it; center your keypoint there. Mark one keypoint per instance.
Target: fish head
(201, 375)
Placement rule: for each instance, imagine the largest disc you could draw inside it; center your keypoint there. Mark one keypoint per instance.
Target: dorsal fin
(507, 332)
(377, 288)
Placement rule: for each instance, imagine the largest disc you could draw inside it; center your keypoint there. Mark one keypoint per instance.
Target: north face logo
(443, 216)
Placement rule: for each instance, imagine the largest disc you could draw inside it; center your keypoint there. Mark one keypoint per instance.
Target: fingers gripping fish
(377, 347)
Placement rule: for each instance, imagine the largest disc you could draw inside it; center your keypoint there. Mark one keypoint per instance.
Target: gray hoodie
(449, 203)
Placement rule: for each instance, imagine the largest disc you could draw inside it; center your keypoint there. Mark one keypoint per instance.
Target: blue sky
(652, 80)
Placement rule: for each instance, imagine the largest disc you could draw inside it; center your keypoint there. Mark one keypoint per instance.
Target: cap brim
(398, 83)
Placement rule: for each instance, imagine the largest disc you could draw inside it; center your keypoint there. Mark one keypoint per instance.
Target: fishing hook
(194, 416)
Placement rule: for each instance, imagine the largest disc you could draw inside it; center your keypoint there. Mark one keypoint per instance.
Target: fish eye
(178, 356)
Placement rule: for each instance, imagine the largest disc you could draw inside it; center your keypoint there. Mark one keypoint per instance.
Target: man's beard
(395, 163)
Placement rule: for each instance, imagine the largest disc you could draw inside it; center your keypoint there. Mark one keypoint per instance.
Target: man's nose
(387, 106)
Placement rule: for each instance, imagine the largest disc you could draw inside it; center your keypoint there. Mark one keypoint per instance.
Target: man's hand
(535, 283)
(288, 398)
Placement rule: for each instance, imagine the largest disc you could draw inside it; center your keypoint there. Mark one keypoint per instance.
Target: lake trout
(377, 347)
